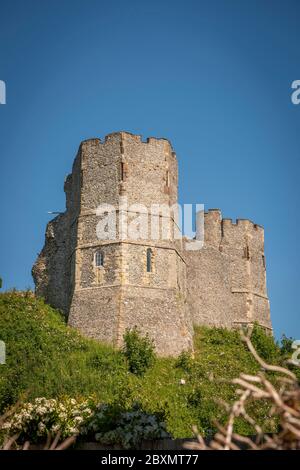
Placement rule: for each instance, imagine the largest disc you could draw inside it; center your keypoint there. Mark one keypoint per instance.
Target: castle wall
(226, 280)
(49, 272)
(209, 287)
(166, 321)
(95, 312)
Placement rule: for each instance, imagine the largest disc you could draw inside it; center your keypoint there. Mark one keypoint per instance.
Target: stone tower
(106, 286)
(226, 279)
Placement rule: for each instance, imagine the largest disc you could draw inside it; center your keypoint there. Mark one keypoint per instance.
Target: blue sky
(212, 76)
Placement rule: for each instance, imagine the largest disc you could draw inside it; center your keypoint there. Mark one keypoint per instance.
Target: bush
(222, 337)
(184, 362)
(139, 352)
(264, 344)
(110, 424)
(114, 425)
(35, 420)
(286, 345)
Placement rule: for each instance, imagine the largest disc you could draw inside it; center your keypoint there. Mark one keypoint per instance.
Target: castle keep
(104, 286)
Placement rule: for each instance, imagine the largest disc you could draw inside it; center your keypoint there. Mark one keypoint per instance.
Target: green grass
(47, 358)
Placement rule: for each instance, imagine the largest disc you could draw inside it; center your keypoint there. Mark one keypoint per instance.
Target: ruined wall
(53, 271)
(227, 279)
(49, 271)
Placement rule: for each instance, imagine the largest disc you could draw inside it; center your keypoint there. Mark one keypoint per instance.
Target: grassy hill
(47, 358)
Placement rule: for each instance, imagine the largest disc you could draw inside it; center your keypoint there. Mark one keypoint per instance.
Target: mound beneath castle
(47, 358)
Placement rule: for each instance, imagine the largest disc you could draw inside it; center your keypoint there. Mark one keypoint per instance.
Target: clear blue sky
(213, 76)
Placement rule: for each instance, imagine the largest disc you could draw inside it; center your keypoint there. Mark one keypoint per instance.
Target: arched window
(99, 259)
(149, 260)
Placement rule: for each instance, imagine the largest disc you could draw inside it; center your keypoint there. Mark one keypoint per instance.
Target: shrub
(194, 398)
(184, 362)
(286, 345)
(114, 425)
(139, 352)
(264, 344)
(60, 419)
(222, 336)
(35, 420)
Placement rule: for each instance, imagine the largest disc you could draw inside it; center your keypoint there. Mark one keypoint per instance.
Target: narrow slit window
(99, 259)
(149, 260)
(124, 167)
(167, 178)
(247, 252)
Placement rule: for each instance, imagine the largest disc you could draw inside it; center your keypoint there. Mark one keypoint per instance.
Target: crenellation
(122, 135)
(227, 222)
(213, 229)
(232, 263)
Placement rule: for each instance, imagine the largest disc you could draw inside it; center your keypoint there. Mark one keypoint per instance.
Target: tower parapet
(229, 273)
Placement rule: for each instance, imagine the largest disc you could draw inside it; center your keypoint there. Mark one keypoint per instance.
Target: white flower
(73, 430)
(6, 425)
(55, 428)
(78, 419)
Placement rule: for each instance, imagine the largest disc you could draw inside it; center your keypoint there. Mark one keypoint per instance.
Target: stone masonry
(223, 284)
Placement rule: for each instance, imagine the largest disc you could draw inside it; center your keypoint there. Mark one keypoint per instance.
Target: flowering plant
(43, 417)
(107, 423)
(127, 428)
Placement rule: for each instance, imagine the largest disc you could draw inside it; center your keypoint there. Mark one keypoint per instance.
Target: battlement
(224, 232)
(241, 225)
(123, 165)
(248, 221)
(129, 137)
(229, 273)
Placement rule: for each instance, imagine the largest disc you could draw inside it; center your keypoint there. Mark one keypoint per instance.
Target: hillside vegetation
(46, 358)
